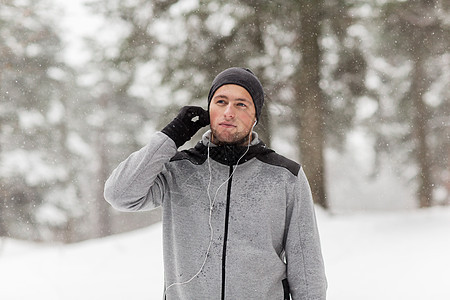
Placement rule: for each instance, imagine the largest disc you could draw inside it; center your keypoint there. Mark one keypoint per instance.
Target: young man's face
(232, 114)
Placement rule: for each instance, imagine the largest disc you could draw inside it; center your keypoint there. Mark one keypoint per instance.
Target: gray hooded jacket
(260, 235)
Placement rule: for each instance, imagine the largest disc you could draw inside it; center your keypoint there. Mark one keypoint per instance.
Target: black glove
(189, 120)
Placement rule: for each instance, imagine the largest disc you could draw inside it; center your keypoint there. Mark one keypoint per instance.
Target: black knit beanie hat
(243, 77)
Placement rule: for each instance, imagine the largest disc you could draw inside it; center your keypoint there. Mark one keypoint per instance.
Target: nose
(229, 112)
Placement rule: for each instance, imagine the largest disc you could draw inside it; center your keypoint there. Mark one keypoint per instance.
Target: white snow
(77, 23)
(31, 165)
(30, 119)
(368, 256)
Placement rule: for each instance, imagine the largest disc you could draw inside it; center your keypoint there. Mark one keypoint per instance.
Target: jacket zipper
(225, 235)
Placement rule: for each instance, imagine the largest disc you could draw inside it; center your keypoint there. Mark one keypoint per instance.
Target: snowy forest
(357, 91)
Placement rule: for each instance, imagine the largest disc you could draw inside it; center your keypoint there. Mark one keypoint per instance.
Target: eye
(241, 104)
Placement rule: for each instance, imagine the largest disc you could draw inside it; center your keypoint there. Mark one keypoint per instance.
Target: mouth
(227, 125)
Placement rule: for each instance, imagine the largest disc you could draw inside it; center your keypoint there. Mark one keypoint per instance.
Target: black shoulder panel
(276, 159)
(195, 155)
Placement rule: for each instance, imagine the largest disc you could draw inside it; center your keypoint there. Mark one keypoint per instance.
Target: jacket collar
(231, 154)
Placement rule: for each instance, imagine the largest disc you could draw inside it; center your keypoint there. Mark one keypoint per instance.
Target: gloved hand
(189, 120)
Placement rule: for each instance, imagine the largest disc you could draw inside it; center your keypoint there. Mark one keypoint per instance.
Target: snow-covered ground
(369, 256)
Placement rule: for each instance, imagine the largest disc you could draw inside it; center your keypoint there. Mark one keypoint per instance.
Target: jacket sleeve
(305, 267)
(139, 183)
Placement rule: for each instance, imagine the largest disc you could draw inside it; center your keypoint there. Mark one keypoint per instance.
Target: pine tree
(37, 192)
(414, 36)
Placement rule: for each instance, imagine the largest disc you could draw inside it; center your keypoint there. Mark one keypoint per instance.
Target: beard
(237, 139)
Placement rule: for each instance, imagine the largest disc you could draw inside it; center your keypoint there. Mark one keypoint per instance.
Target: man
(238, 219)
